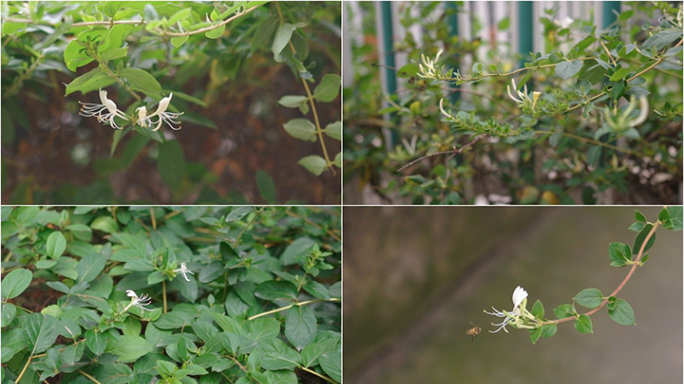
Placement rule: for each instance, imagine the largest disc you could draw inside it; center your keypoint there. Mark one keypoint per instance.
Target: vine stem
(311, 371)
(655, 64)
(164, 293)
(20, 80)
(94, 380)
(592, 141)
(258, 212)
(328, 231)
(285, 308)
(312, 103)
(452, 152)
(160, 32)
(624, 281)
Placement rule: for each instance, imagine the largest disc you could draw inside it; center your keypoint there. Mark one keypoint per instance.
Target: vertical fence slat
(525, 30)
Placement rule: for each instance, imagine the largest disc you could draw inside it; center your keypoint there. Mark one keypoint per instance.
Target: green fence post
(525, 30)
(609, 17)
(452, 22)
(387, 30)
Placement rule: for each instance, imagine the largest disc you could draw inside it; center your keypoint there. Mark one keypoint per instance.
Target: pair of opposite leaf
(106, 111)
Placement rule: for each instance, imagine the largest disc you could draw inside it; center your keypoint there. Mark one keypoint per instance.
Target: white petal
(130, 293)
(519, 295)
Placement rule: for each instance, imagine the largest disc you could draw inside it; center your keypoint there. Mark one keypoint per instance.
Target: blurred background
(391, 116)
(415, 279)
(233, 148)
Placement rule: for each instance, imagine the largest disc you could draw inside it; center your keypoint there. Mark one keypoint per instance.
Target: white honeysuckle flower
(97, 110)
(161, 114)
(441, 109)
(136, 301)
(184, 269)
(523, 95)
(427, 68)
(519, 297)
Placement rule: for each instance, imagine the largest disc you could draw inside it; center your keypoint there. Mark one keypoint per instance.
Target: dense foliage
(595, 117)
(180, 295)
(163, 75)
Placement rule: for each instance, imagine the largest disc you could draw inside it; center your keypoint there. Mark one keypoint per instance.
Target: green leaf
(236, 214)
(620, 254)
(171, 164)
(105, 224)
(568, 69)
(674, 223)
(89, 267)
(296, 249)
(641, 236)
(661, 40)
(15, 283)
(165, 368)
(334, 130)
(622, 313)
(548, 330)
(264, 329)
(179, 40)
(179, 16)
(131, 348)
(282, 37)
(314, 164)
(620, 74)
(276, 355)
(40, 332)
(535, 335)
(9, 312)
(301, 129)
(91, 81)
(56, 244)
(589, 298)
(114, 54)
(292, 101)
(96, 342)
(328, 88)
(331, 362)
(319, 290)
(300, 326)
(266, 187)
(564, 310)
(640, 217)
(537, 309)
(276, 290)
(216, 32)
(583, 324)
(142, 81)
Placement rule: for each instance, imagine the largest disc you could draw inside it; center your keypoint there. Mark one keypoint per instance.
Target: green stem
(311, 371)
(164, 293)
(285, 308)
(20, 80)
(592, 141)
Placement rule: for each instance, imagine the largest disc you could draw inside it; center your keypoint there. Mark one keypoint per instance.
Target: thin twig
(164, 293)
(94, 380)
(454, 151)
(285, 308)
(311, 371)
(328, 231)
